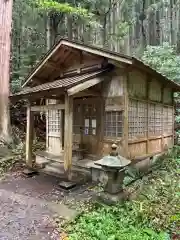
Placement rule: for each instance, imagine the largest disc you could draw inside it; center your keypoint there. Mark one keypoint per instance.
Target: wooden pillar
(126, 108)
(68, 132)
(29, 136)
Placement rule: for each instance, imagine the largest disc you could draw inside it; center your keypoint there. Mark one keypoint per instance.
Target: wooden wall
(114, 92)
(134, 110)
(150, 116)
(109, 105)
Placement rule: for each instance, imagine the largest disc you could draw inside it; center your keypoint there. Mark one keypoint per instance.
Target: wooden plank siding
(115, 104)
(153, 132)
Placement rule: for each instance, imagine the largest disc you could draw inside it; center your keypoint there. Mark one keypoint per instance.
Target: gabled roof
(117, 57)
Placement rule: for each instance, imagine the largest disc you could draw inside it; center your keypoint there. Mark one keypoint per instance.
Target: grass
(153, 215)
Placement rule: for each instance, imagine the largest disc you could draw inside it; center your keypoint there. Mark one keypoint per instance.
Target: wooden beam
(92, 92)
(87, 93)
(85, 85)
(68, 133)
(29, 136)
(97, 51)
(118, 64)
(45, 108)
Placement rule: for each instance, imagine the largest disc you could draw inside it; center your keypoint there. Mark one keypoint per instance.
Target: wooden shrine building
(95, 97)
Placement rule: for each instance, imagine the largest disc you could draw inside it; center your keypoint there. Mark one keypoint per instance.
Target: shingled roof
(63, 83)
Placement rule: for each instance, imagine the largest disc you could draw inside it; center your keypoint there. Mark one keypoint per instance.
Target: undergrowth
(16, 154)
(153, 215)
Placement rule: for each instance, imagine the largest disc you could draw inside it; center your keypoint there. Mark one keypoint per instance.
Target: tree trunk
(143, 31)
(5, 49)
(104, 34)
(178, 34)
(48, 32)
(69, 27)
(158, 27)
(171, 23)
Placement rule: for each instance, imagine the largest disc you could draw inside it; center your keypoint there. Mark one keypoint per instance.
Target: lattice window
(155, 119)
(113, 124)
(168, 120)
(151, 121)
(54, 121)
(137, 118)
(158, 119)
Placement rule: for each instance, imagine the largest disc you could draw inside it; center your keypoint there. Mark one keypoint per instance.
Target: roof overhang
(71, 85)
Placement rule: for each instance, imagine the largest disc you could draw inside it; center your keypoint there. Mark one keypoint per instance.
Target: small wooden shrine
(95, 97)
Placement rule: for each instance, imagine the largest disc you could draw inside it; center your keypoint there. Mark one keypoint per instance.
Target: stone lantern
(113, 165)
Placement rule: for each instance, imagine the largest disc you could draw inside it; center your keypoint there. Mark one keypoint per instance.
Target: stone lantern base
(111, 199)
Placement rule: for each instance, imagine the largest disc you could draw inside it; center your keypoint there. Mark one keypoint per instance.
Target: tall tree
(5, 43)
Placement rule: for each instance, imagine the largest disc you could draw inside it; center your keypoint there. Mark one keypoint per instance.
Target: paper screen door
(54, 130)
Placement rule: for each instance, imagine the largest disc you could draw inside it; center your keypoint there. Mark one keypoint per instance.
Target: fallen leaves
(64, 236)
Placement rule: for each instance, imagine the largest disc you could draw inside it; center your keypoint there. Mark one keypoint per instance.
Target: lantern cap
(113, 162)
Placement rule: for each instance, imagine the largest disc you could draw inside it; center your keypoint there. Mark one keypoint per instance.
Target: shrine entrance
(87, 123)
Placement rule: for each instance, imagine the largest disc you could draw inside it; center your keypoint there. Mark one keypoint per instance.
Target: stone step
(52, 170)
(41, 161)
(57, 169)
(86, 167)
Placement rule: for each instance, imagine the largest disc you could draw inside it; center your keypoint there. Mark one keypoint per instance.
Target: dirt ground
(28, 206)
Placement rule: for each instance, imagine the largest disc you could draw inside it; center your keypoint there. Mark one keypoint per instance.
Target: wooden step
(50, 156)
(41, 161)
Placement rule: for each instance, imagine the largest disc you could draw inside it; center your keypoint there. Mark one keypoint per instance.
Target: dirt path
(27, 208)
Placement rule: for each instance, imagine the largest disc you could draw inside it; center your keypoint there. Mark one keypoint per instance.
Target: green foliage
(153, 215)
(178, 118)
(118, 222)
(50, 5)
(121, 32)
(164, 59)
(28, 42)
